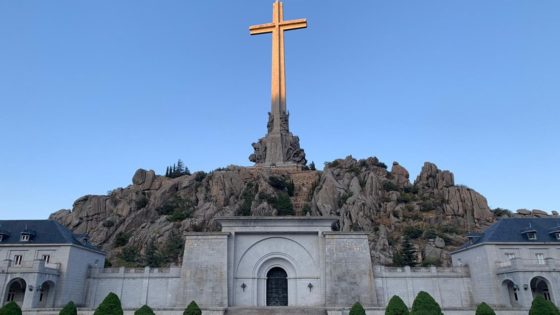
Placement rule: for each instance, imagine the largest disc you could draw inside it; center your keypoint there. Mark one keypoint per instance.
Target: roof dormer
(26, 235)
(555, 233)
(4, 235)
(530, 233)
(474, 237)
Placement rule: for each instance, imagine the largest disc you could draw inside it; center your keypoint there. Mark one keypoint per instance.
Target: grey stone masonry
(204, 273)
(349, 273)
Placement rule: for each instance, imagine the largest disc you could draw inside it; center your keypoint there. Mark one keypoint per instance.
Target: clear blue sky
(90, 91)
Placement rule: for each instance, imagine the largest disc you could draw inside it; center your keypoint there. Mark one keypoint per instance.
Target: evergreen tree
(484, 309)
(312, 166)
(180, 167)
(10, 309)
(357, 309)
(144, 310)
(540, 306)
(69, 309)
(111, 305)
(408, 252)
(424, 304)
(192, 309)
(396, 306)
(167, 171)
(152, 257)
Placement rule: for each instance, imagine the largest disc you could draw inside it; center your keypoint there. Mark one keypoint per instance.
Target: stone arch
(541, 286)
(268, 263)
(46, 294)
(15, 291)
(510, 295)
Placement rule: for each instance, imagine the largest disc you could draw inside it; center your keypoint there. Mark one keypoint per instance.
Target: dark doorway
(276, 287)
(16, 291)
(539, 286)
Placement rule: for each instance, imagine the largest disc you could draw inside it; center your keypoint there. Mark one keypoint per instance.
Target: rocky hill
(143, 223)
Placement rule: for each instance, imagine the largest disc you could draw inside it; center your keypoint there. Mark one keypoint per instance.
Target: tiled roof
(514, 230)
(41, 232)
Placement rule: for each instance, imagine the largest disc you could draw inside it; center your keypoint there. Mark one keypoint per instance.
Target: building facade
(294, 262)
(44, 265)
(513, 261)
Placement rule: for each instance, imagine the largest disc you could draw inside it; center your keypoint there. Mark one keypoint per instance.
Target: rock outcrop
(144, 222)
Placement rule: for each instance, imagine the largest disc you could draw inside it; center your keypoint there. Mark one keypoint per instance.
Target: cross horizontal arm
(293, 24)
(261, 28)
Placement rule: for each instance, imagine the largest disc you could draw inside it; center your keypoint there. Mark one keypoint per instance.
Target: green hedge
(484, 309)
(111, 305)
(424, 304)
(69, 309)
(10, 309)
(396, 306)
(144, 310)
(357, 309)
(540, 306)
(192, 309)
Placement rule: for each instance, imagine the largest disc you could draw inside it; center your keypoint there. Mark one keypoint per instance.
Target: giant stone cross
(279, 147)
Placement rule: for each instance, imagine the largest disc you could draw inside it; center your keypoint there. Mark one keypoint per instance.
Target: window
(510, 256)
(1, 237)
(24, 238)
(532, 236)
(17, 260)
(540, 258)
(47, 258)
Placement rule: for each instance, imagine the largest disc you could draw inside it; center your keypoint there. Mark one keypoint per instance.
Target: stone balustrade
(406, 271)
(520, 264)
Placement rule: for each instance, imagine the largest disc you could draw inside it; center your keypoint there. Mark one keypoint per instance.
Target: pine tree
(396, 306)
(69, 309)
(312, 166)
(111, 305)
(180, 167)
(192, 309)
(152, 257)
(408, 252)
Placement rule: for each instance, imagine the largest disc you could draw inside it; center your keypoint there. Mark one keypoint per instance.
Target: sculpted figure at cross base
(279, 147)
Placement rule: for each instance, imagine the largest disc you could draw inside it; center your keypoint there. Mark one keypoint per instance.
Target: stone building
(513, 261)
(44, 265)
(295, 265)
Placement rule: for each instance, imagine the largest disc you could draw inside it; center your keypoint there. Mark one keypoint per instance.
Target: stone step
(275, 310)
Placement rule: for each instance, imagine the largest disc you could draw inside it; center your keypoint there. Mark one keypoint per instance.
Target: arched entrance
(276, 287)
(16, 291)
(540, 286)
(46, 295)
(509, 290)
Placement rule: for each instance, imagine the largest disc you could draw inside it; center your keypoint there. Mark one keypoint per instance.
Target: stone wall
(157, 287)
(348, 275)
(204, 273)
(450, 287)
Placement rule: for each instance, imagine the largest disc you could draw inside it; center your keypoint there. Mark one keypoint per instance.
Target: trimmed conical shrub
(192, 309)
(357, 309)
(396, 306)
(111, 305)
(484, 309)
(424, 304)
(144, 310)
(69, 309)
(10, 309)
(540, 306)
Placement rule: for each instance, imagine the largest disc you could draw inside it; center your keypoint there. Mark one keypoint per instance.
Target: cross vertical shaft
(278, 80)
